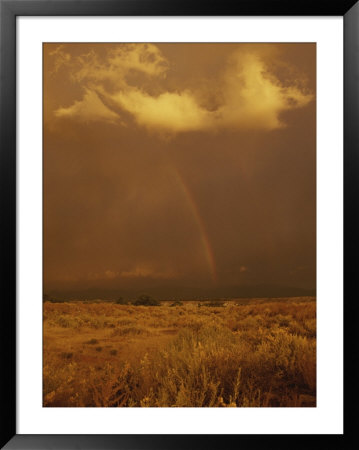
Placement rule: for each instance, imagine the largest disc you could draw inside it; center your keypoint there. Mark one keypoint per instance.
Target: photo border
(9, 10)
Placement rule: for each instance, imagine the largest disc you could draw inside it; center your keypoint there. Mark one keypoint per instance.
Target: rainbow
(190, 200)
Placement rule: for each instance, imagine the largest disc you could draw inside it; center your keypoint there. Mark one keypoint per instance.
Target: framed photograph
(177, 182)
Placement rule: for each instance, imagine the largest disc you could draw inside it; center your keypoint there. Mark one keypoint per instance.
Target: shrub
(146, 300)
(176, 303)
(130, 330)
(256, 355)
(214, 303)
(92, 341)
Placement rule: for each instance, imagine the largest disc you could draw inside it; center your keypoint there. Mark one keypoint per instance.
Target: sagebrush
(226, 355)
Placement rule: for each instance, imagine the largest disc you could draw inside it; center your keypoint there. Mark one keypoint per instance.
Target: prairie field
(239, 353)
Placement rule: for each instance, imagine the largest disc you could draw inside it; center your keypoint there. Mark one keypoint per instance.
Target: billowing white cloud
(252, 97)
(169, 111)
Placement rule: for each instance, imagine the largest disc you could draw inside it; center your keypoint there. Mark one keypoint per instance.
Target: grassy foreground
(256, 354)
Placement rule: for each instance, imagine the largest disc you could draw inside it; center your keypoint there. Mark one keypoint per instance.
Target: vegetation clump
(255, 355)
(214, 304)
(92, 342)
(176, 303)
(51, 299)
(146, 300)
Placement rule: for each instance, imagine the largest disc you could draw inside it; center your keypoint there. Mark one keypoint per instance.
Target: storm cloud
(179, 169)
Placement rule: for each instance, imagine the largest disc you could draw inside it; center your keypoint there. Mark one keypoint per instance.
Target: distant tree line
(141, 300)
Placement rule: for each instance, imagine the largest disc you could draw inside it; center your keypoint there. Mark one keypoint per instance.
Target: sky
(179, 170)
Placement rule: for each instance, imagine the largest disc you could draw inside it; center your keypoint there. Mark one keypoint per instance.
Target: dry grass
(253, 354)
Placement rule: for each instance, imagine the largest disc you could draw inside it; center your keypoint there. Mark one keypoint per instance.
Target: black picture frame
(9, 10)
